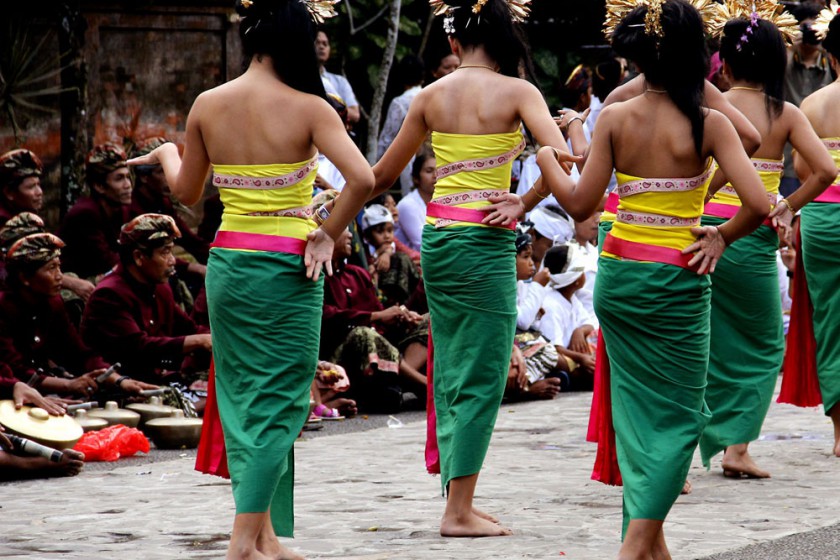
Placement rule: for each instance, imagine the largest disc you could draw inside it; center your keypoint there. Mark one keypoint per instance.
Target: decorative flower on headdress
(247, 3)
(824, 18)
(519, 10)
(617, 10)
(768, 10)
(321, 10)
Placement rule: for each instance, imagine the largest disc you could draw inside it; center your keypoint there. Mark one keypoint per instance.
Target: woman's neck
(746, 85)
(426, 196)
(477, 56)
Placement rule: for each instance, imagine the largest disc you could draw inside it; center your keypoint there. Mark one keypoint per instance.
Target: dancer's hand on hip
(318, 253)
(707, 249)
(505, 209)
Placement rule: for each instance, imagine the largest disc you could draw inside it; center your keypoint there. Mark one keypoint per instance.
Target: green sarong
(655, 321)
(748, 342)
(821, 256)
(265, 318)
(470, 276)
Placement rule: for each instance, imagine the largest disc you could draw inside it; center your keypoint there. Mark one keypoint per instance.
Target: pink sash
(831, 194)
(644, 252)
(452, 214)
(259, 242)
(612, 202)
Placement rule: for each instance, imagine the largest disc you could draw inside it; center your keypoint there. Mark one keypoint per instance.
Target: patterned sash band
(303, 212)
(655, 220)
(448, 215)
(478, 164)
(265, 183)
(663, 185)
(768, 166)
(831, 194)
(612, 202)
(634, 251)
(465, 197)
(259, 242)
(833, 144)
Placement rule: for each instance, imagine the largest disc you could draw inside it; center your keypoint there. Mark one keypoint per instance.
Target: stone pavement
(365, 496)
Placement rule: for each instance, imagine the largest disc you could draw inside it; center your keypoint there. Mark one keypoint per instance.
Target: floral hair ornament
(617, 10)
(321, 10)
(768, 10)
(519, 11)
(820, 26)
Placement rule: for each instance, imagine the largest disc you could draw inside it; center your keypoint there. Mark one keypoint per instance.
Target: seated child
(331, 382)
(566, 323)
(394, 273)
(586, 239)
(534, 372)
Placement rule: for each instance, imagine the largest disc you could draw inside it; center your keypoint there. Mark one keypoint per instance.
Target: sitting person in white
(552, 226)
(586, 241)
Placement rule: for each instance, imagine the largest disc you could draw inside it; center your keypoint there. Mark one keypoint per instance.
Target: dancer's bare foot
(484, 515)
(737, 463)
(245, 554)
(686, 488)
(660, 549)
(837, 448)
(471, 526)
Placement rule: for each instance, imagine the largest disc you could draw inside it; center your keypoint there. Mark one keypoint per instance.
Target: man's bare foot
(547, 388)
(17, 467)
(484, 515)
(686, 488)
(737, 463)
(347, 407)
(471, 526)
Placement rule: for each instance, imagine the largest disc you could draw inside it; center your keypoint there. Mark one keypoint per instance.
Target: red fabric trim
(601, 429)
(612, 202)
(259, 242)
(212, 457)
(800, 384)
(432, 451)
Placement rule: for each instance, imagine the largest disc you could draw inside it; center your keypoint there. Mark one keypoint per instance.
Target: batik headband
(768, 10)
(320, 10)
(617, 10)
(824, 19)
(519, 10)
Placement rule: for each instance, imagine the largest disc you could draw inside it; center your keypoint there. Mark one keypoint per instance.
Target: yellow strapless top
(833, 145)
(660, 212)
(473, 151)
(271, 199)
(769, 170)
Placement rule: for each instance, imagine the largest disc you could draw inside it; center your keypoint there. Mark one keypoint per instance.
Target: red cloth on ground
(432, 452)
(800, 384)
(212, 457)
(601, 430)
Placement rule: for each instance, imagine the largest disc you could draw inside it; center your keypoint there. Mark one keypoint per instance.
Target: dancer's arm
(408, 141)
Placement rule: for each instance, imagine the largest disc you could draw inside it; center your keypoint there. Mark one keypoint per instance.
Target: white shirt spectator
(412, 219)
(338, 85)
(330, 173)
(589, 253)
(562, 317)
(529, 301)
(784, 290)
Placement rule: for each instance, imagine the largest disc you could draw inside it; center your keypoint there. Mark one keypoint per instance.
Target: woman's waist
(465, 208)
(671, 237)
(297, 227)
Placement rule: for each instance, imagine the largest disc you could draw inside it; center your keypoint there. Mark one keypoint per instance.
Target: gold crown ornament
(519, 10)
(617, 10)
(768, 10)
(824, 18)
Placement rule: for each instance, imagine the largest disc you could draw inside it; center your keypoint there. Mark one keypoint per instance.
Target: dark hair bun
(831, 43)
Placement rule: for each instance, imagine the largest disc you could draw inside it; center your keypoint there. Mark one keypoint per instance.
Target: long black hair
(494, 29)
(761, 59)
(283, 30)
(678, 61)
(831, 43)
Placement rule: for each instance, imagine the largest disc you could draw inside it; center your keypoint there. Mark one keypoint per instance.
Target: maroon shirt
(37, 336)
(7, 382)
(349, 299)
(91, 237)
(142, 203)
(138, 325)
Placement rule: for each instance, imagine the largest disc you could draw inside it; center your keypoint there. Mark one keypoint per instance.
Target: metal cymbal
(61, 432)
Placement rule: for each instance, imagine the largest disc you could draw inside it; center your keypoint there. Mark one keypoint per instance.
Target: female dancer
(747, 345)
(652, 297)
(818, 229)
(263, 287)
(474, 115)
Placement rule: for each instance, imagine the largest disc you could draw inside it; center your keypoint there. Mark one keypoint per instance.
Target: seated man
(132, 318)
(37, 340)
(20, 184)
(92, 226)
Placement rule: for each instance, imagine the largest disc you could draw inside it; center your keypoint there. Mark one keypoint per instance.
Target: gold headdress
(320, 10)
(824, 18)
(617, 10)
(768, 10)
(519, 10)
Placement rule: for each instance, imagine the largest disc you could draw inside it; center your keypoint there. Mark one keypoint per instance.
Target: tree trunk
(382, 85)
(74, 137)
